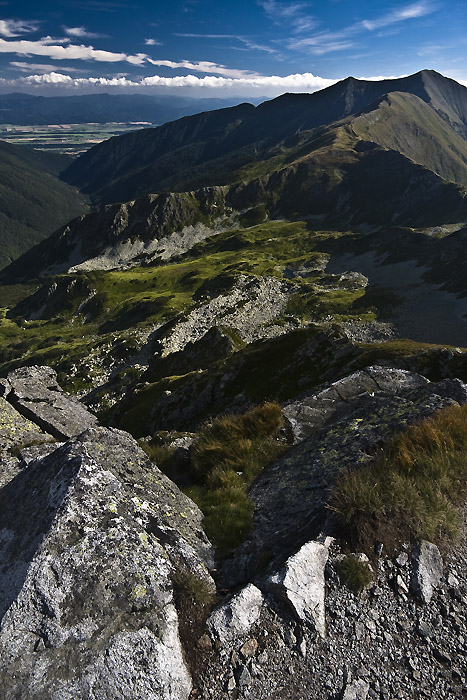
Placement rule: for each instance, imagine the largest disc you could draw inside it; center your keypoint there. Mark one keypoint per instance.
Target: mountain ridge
(148, 162)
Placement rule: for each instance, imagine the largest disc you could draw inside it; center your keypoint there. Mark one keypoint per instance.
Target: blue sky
(208, 47)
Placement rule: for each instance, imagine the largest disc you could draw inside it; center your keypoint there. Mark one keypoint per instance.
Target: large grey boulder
(427, 570)
(91, 537)
(300, 583)
(313, 412)
(35, 393)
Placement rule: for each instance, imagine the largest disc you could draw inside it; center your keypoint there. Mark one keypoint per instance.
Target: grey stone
(311, 413)
(234, 619)
(301, 584)
(356, 690)
(402, 559)
(427, 570)
(424, 629)
(86, 594)
(242, 676)
(36, 394)
(34, 452)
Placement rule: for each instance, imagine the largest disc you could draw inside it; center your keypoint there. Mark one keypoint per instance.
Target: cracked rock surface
(92, 537)
(35, 393)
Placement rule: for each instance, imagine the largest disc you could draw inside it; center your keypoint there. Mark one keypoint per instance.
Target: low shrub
(355, 573)
(414, 488)
(228, 455)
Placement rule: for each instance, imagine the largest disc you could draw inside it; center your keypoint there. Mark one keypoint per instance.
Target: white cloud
(47, 40)
(43, 47)
(383, 77)
(247, 41)
(299, 81)
(81, 33)
(416, 9)
(13, 27)
(324, 42)
(152, 42)
(205, 67)
(295, 13)
(41, 67)
(259, 85)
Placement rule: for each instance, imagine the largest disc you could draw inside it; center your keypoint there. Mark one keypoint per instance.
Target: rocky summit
(233, 409)
(108, 582)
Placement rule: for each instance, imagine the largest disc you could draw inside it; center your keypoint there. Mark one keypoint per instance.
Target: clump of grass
(414, 488)
(228, 455)
(161, 455)
(354, 572)
(194, 588)
(240, 443)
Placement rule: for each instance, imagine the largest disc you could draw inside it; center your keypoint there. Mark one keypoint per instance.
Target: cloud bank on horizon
(258, 47)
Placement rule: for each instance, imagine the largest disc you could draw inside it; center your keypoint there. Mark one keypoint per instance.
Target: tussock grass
(356, 574)
(228, 455)
(414, 488)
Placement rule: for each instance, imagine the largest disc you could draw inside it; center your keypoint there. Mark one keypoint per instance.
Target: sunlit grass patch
(414, 488)
(228, 455)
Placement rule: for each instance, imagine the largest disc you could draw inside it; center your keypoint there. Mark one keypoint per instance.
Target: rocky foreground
(107, 584)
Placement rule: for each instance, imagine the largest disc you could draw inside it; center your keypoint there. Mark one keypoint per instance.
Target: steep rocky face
(121, 236)
(92, 537)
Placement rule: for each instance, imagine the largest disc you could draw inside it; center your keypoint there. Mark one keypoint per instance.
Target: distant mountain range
(357, 154)
(23, 109)
(393, 151)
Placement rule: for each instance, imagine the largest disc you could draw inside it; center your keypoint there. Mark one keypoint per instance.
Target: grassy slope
(126, 303)
(33, 201)
(405, 123)
(100, 320)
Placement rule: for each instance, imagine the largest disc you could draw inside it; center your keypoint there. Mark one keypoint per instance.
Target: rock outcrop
(346, 426)
(35, 393)
(92, 538)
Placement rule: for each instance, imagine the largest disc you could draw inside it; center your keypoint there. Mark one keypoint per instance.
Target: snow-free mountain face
(33, 200)
(331, 207)
(232, 145)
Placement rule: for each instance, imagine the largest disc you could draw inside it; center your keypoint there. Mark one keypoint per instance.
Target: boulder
(427, 570)
(315, 411)
(35, 393)
(91, 537)
(301, 584)
(233, 620)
